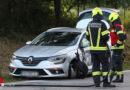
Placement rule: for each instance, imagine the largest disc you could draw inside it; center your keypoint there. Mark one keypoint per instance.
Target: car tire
(81, 69)
(70, 70)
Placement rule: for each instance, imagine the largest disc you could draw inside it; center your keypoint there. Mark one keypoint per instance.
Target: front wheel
(81, 69)
(71, 72)
(77, 70)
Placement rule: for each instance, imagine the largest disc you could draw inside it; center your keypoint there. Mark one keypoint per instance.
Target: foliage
(24, 15)
(35, 16)
(21, 20)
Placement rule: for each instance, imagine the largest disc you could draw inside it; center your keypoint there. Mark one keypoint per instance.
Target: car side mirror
(28, 42)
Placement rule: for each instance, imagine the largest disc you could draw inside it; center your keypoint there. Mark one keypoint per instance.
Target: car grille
(40, 71)
(35, 61)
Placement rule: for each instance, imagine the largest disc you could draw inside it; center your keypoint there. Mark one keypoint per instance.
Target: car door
(86, 17)
(85, 51)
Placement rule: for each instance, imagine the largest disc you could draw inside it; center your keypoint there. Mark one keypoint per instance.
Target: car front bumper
(54, 72)
(43, 70)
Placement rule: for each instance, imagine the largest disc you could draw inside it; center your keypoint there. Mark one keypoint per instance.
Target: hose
(29, 85)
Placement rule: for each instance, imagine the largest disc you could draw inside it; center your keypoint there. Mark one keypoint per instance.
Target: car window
(88, 15)
(85, 15)
(57, 39)
(106, 15)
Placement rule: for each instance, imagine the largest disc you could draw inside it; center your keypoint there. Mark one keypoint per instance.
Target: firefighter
(117, 37)
(98, 36)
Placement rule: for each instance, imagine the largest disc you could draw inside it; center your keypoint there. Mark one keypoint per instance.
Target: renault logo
(30, 60)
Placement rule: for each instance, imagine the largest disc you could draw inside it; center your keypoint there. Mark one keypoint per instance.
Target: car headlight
(57, 59)
(13, 57)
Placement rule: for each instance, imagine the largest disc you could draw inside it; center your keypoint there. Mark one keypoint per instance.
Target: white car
(51, 54)
(86, 16)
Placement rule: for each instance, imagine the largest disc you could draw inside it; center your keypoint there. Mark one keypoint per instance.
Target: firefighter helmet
(113, 16)
(96, 11)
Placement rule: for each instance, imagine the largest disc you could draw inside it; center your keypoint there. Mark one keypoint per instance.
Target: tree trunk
(78, 7)
(57, 6)
(97, 3)
(84, 4)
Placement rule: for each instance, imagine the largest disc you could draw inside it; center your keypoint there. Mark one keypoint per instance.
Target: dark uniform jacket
(97, 34)
(117, 35)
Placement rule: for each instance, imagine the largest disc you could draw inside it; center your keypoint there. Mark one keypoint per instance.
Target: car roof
(65, 29)
(110, 10)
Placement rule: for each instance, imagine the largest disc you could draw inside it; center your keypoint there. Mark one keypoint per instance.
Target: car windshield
(56, 39)
(88, 15)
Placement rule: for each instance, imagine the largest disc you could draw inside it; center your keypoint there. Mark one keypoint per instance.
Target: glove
(117, 45)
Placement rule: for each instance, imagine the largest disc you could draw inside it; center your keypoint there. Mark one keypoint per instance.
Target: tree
(57, 6)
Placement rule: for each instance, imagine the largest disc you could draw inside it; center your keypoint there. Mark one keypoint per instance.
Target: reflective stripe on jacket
(115, 36)
(98, 35)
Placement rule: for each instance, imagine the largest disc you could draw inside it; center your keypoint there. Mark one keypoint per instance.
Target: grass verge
(9, 78)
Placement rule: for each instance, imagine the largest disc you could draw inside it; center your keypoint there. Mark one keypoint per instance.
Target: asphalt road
(80, 82)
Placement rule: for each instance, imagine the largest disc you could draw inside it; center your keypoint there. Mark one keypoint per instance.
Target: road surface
(87, 81)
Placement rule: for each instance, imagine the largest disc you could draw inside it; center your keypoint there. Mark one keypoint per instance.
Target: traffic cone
(1, 82)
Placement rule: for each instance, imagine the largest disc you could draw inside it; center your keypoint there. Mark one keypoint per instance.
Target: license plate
(29, 73)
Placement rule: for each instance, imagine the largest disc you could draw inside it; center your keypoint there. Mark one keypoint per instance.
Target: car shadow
(51, 78)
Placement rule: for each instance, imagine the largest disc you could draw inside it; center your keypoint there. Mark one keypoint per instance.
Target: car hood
(43, 51)
(84, 23)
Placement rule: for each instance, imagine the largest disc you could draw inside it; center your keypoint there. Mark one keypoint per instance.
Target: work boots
(106, 83)
(119, 79)
(97, 80)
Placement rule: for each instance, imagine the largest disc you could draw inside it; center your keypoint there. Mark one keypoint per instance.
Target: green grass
(126, 23)
(8, 78)
(126, 66)
(126, 20)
